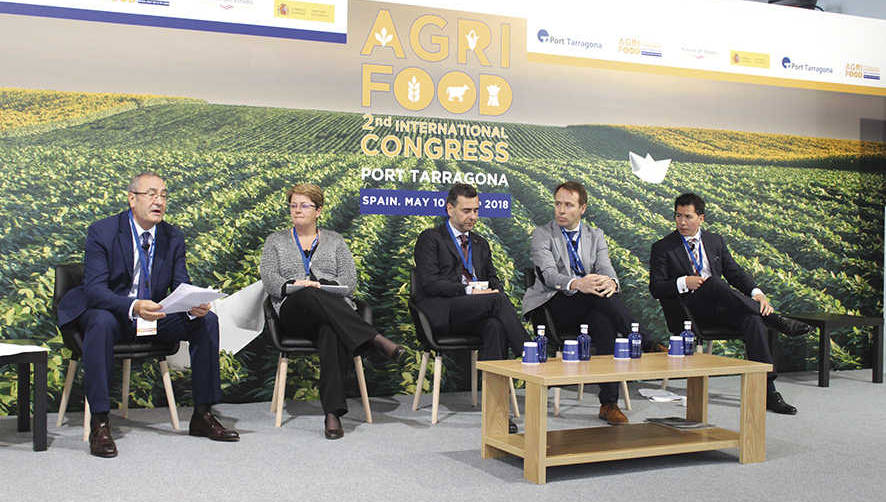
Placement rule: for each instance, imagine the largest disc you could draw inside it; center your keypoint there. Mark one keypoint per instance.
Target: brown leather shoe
(205, 425)
(101, 444)
(612, 414)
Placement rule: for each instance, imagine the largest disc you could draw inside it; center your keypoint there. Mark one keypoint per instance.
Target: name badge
(143, 327)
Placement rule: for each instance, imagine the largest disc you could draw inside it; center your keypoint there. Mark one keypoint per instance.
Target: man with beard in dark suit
(450, 257)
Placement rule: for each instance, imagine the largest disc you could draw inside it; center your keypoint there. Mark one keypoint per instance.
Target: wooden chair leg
(474, 354)
(626, 394)
(361, 382)
(66, 391)
(514, 398)
(276, 385)
(170, 396)
(421, 379)
(87, 415)
(581, 391)
(557, 391)
(435, 405)
(281, 392)
(124, 394)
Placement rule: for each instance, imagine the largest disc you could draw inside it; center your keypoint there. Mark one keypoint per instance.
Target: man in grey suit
(575, 278)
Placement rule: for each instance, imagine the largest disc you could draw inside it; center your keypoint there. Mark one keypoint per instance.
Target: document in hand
(187, 296)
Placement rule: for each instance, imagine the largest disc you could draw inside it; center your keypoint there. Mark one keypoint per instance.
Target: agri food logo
(863, 72)
(473, 42)
(633, 46)
(543, 35)
(793, 66)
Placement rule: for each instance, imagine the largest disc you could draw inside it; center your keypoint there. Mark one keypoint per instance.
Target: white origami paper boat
(649, 169)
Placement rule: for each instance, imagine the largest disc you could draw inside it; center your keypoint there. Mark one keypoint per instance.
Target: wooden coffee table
(541, 448)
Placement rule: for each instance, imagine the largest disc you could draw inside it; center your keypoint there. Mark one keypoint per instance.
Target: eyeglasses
(304, 206)
(154, 195)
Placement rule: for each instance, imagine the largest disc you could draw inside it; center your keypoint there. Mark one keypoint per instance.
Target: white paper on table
(11, 349)
(661, 395)
(187, 296)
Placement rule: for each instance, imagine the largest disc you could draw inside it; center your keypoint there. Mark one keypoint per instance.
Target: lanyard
(467, 262)
(145, 259)
(305, 258)
(698, 265)
(574, 259)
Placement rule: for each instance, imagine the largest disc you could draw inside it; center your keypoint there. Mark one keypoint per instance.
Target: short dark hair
(574, 186)
(690, 199)
(462, 189)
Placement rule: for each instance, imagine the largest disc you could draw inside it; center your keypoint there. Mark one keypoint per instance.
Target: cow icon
(456, 93)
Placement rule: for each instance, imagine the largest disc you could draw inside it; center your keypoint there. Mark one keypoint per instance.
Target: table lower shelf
(598, 444)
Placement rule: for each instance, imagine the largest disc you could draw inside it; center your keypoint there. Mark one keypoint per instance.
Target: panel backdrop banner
(414, 100)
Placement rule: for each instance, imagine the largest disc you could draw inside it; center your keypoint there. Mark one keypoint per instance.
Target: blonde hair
(309, 190)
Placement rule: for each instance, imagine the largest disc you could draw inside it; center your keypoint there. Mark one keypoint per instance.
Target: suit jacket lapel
(712, 253)
(585, 247)
(560, 245)
(161, 246)
(124, 240)
(447, 238)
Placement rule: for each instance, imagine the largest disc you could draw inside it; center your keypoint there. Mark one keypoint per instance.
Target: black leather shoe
(332, 427)
(776, 404)
(790, 327)
(205, 425)
(512, 427)
(101, 444)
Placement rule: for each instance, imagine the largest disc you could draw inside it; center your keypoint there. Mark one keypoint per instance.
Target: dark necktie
(692, 245)
(144, 290)
(572, 239)
(463, 239)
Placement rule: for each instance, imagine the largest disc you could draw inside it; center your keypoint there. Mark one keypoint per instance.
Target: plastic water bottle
(636, 341)
(542, 342)
(688, 338)
(584, 343)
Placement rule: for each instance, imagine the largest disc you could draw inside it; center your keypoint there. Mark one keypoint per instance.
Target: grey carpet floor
(833, 450)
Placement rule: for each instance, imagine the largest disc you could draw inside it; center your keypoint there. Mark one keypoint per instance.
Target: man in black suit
(692, 265)
(448, 259)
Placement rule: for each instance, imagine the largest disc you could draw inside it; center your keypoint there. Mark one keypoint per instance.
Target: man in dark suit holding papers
(692, 265)
(133, 260)
(448, 259)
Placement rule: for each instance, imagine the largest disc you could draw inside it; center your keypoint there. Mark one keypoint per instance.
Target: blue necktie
(144, 290)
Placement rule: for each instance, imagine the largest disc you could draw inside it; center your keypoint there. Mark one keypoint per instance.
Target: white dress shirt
(137, 269)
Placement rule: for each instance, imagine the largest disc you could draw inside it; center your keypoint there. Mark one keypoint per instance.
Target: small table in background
(23, 356)
(826, 323)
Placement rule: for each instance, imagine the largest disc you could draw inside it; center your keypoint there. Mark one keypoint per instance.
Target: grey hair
(133, 183)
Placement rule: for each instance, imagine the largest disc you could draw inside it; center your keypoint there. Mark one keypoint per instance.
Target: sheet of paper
(10, 349)
(187, 296)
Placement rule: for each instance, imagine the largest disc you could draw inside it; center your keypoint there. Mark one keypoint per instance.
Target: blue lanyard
(574, 259)
(698, 265)
(467, 262)
(305, 259)
(145, 260)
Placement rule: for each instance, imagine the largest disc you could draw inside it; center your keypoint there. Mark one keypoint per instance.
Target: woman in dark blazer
(303, 257)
